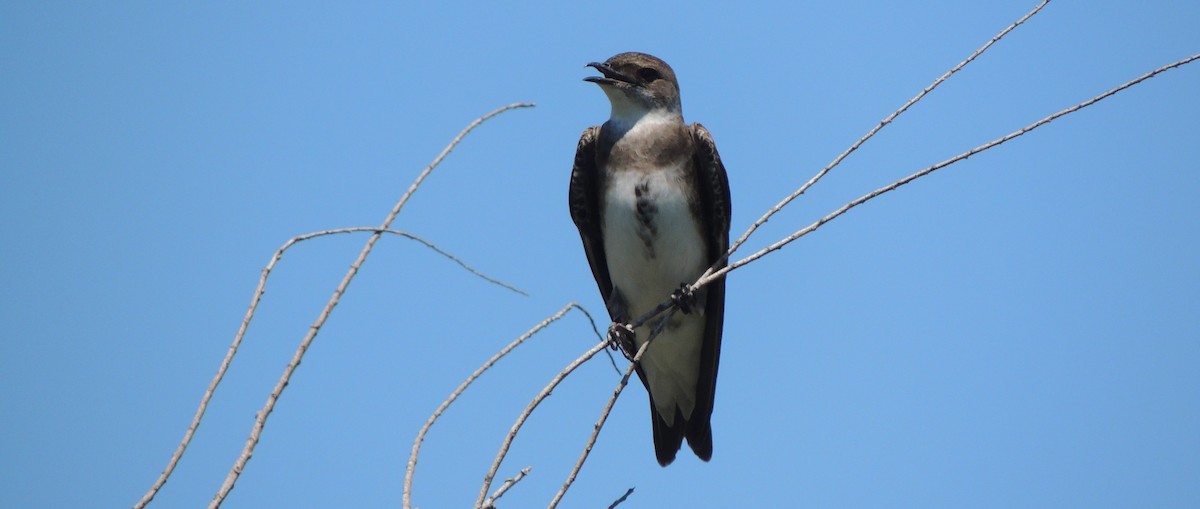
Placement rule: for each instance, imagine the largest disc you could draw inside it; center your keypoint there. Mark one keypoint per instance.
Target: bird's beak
(611, 76)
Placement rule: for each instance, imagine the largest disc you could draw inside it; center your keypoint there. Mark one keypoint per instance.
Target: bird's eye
(648, 74)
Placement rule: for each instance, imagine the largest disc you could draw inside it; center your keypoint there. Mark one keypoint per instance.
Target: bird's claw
(685, 298)
(620, 337)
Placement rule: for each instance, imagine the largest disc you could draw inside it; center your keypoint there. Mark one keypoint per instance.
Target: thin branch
(445, 152)
(512, 433)
(612, 401)
(591, 442)
(314, 329)
(893, 186)
(446, 254)
(490, 503)
(838, 160)
(618, 501)
(596, 331)
(416, 447)
(237, 339)
(426, 243)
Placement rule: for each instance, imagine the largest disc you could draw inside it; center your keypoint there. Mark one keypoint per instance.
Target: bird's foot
(685, 298)
(620, 337)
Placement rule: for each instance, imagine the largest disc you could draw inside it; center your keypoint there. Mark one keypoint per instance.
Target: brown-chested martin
(651, 200)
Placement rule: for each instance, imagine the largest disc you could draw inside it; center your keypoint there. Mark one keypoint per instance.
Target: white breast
(649, 261)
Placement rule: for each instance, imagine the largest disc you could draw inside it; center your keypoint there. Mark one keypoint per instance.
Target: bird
(650, 197)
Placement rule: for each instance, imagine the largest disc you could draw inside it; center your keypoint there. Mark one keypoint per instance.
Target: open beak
(611, 76)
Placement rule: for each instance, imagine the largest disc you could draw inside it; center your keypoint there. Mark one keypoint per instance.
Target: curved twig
(612, 400)
(261, 418)
(426, 243)
(416, 447)
(591, 442)
(599, 336)
(241, 333)
(512, 433)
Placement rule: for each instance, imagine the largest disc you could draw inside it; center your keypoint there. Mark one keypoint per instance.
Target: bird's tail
(668, 439)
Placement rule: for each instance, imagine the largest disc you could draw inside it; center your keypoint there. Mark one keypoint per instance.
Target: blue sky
(1018, 330)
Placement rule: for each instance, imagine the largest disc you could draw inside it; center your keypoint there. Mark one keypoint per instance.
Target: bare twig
(591, 442)
(838, 160)
(618, 501)
(596, 331)
(241, 333)
(612, 400)
(512, 433)
(426, 243)
(416, 448)
(894, 185)
(490, 503)
(314, 329)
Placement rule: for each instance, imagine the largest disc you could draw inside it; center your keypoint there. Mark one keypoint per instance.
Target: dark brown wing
(584, 196)
(715, 208)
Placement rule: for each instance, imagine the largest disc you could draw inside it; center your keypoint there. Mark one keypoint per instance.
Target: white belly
(647, 261)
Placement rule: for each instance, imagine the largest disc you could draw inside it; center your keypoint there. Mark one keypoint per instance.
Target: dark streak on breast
(646, 209)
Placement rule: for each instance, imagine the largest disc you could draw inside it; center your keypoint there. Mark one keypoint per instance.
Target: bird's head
(637, 85)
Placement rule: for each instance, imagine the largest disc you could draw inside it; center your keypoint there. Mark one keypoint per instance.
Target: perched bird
(651, 200)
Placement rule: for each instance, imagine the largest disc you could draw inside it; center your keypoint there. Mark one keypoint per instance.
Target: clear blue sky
(1019, 330)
